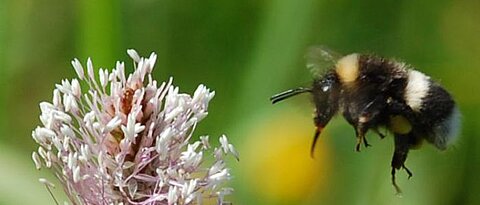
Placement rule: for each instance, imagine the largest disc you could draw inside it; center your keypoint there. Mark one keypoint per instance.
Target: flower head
(127, 140)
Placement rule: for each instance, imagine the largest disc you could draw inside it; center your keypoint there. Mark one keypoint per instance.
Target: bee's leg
(365, 142)
(367, 118)
(360, 131)
(394, 183)
(402, 146)
(410, 174)
(378, 133)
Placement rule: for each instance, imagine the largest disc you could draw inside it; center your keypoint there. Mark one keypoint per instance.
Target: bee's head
(325, 93)
(325, 98)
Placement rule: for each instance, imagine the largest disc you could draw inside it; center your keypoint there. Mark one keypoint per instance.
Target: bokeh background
(246, 51)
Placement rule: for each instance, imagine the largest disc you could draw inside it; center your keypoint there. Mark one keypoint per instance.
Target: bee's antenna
(289, 93)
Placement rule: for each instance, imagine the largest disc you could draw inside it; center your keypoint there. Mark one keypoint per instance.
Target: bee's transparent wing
(320, 58)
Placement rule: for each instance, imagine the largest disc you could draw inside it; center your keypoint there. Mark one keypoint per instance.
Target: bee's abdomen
(440, 114)
(436, 112)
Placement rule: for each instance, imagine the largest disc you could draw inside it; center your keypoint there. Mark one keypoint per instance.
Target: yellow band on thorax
(347, 68)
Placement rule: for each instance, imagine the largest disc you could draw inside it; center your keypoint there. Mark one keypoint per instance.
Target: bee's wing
(320, 58)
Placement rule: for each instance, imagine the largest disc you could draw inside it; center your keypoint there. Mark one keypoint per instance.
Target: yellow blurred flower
(279, 163)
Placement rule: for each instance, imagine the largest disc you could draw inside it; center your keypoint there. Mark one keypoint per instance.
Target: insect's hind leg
(402, 146)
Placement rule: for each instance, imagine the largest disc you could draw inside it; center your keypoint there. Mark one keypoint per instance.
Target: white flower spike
(126, 140)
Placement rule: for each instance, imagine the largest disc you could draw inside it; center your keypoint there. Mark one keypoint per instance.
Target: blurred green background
(246, 51)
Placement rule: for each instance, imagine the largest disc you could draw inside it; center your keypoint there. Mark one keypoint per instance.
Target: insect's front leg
(361, 130)
(367, 118)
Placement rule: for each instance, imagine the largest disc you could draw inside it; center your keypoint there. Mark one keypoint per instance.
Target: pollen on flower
(127, 139)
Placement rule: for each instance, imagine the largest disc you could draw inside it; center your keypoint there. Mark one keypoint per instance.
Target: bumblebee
(372, 92)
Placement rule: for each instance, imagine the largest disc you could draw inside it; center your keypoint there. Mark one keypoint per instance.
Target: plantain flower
(128, 139)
